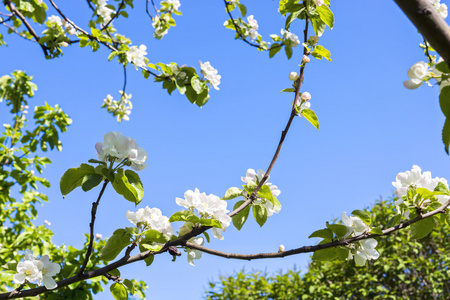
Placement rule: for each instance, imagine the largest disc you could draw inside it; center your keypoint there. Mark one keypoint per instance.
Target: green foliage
(406, 269)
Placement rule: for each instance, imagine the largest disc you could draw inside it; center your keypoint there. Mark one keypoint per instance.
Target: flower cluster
(41, 270)
(173, 4)
(120, 109)
(253, 178)
(210, 74)
(136, 56)
(416, 179)
(440, 7)
(68, 28)
(119, 148)
(161, 25)
(253, 27)
(103, 11)
(150, 218)
(207, 206)
(290, 39)
(362, 250)
(302, 102)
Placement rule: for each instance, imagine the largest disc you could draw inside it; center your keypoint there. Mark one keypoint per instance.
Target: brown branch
(17, 13)
(306, 249)
(429, 23)
(241, 35)
(18, 33)
(91, 225)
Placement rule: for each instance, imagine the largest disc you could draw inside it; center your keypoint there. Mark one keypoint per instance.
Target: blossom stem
(91, 225)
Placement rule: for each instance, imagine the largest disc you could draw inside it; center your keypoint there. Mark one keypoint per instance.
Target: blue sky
(371, 128)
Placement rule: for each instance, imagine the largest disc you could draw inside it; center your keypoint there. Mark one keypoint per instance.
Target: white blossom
(136, 56)
(365, 251)
(192, 253)
(440, 7)
(26, 270)
(319, 2)
(48, 270)
(151, 218)
(416, 179)
(175, 3)
(281, 248)
(55, 19)
(290, 38)
(252, 23)
(305, 96)
(207, 206)
(416, 75)
(98, 235)
(104, 11)
(305, 59)
(47, 223)
(354, 225)
(210, 74)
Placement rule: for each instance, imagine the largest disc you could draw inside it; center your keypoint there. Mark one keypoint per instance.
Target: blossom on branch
(192, 253)
(440, 7)
(210, 74)
(151, 218)
(290, 39)
(354, 225)
(416, 74)
(136, 56)
(365, 251)
(41, 270)
(103, 11)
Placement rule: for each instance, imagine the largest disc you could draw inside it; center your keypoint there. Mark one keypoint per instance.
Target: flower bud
(281, 249)
(47, 223)
(126, 118)
(306, 96)
(32, 172)
(297, 101)
(293, 76)
(313, 40)
(305, 59)
(64, 44)
(98, 236)
(25, 111)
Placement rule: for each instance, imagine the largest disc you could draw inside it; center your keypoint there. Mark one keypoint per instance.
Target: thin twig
(115, 16)
(124, 79)
(5, 20)
(17, 13)
(146, 9)
(18, 33)
(91, 225)
(427, 52)
(241, 35)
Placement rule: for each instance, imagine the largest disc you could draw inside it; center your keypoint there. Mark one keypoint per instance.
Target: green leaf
(73, 178)
(240, 218)
(211, 222)
(342, 253)
(149, 260)
(232, 193)
(274, 49)
(442, 188)
(129, 286)
(444, 101)
(338, 229)
(115, 244)
(326, 15)
(119, 291)
(289, 90)
(196, 84)
(422, 228)
(185, 216)
(260, 213)
(318, 25)
(446, 135)
(443, 67)
(310, 115)
(394, 220)
(90, 181)
(288, 50)
(322, 233)
(242, 9)
(376, 230)
(152, 235)
(266, 193)
(95, 161)
(321, 52)
(328, 254)
(362, 215)
(128, 184)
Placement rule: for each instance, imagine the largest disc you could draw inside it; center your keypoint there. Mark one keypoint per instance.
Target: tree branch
(17, 13)
(429, 23)
(91, 225)
(306, 249)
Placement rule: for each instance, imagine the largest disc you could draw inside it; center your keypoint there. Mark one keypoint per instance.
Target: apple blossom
(416, 75)
(26, 270)
(365, 251)
(305, 96)
(207, 206)
(440, 7)
(55, 19)
(151, 218)
(354, 225)
(192, 253)
(290, 38)
(47, 223)
(136, 56)
(305, 59)
(210, 74)
(98, 235)
(281, 248)
(293, 76)
(48, 270)
(104, 11)
(175, 3)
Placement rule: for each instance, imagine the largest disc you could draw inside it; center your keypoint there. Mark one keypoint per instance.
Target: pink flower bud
(47, 223)
(306, 96)
(305, 59)
(98, 236)
(293, 76)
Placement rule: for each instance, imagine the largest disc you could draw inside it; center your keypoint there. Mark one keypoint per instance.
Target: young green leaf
(231, 193)
(240, 218)
(362, 215)
(260, 213)
(310, 115)
(73, 178)
(115, 244)
(128, 184)
(422, 228)
(322, 233)
(119, 291)
(90, 181)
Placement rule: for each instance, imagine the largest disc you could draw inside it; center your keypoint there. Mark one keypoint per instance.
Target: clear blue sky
(371, 128)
